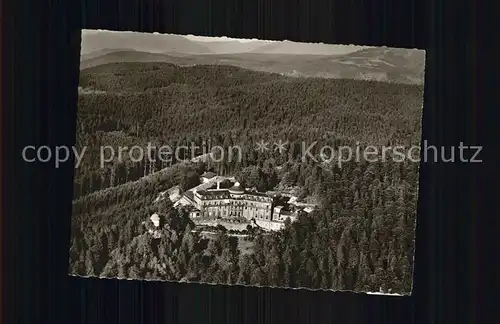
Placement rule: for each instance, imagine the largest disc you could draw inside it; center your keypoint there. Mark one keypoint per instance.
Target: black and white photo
(247, 162)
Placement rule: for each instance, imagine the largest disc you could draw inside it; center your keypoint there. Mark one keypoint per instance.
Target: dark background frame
(40, 76)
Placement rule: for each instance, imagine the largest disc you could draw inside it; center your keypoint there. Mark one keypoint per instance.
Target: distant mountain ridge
(288, 47)
(300, 60)
(153, 43)
(166, 43)
(382, 64)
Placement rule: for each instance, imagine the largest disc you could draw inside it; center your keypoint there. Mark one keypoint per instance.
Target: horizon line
(210, 39)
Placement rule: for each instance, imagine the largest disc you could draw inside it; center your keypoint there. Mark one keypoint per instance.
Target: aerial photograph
(215, 160)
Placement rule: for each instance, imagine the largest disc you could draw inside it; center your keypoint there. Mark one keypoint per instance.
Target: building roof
(208, 175)
(174, 189)
(260, 194)
(206, 192)
(211, 194)
(189, 194)
(155, 219)
(237, 189)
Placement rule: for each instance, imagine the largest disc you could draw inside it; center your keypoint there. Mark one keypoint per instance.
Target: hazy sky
(245, 45)
(189, 36)
(199, 38)
(223, 39)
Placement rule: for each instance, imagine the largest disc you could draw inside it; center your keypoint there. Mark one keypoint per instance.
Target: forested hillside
(361, 236)
(135, 103)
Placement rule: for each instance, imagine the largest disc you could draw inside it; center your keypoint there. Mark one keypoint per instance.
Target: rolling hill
(296, 48)
(171, 102)
(382, 64)
(233, 47)
(284, 57)
(93, 41)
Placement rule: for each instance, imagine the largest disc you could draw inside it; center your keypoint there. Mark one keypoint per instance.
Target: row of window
(251, 198)
(233, 213)
(221, 203)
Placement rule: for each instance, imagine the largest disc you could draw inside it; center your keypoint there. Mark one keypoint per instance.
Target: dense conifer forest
(359, 238)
